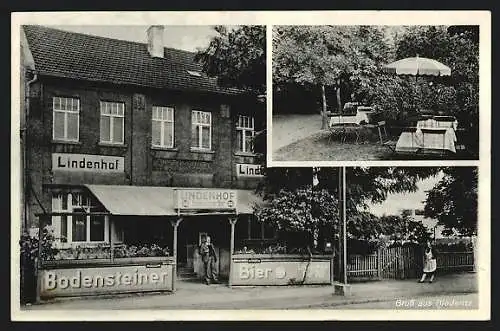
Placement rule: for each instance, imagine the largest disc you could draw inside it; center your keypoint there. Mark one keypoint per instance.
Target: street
(450, 291)
(457, 301)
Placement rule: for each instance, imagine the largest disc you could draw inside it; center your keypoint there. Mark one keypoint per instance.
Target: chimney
(155, 40)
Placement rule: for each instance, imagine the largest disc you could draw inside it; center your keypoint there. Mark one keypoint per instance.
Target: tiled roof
(79, 56)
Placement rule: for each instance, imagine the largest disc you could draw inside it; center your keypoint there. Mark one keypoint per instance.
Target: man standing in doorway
(209, 258)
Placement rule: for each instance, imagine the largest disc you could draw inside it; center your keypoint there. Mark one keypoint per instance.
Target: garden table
(430, 138)
(438, 122)
(358, 118)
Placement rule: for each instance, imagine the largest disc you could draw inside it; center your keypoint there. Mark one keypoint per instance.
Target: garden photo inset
(356, 93)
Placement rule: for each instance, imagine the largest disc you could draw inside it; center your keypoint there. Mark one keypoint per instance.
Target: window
(66, 115)
(259, 230)
(112, 122)
(201, 133)
(97, 228)
(78, 228)
(64, 228)
(163, 127)
(245, 133)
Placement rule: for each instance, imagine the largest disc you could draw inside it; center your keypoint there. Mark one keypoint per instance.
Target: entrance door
(191, 249)
(191, 232)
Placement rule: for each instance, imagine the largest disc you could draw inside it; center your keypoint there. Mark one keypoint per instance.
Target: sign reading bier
(281, 272)
(87, 162)
(249, 170)
(206, 199)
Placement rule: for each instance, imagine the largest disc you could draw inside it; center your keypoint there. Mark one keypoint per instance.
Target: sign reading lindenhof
(249, 170)
(206, 199)
(87, 162)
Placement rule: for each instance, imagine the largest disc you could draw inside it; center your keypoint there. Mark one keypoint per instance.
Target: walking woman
(429, 263)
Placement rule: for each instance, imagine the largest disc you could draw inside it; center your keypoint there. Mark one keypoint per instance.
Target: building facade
(111, 121)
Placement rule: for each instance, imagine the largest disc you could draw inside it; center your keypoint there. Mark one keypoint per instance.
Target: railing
(398, 262)
(455, 261)
(363, 265)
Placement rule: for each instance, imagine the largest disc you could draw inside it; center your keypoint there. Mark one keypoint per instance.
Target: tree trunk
(324, 117)
(339, 101)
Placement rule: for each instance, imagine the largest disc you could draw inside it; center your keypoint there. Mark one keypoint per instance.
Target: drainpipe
(25, 133)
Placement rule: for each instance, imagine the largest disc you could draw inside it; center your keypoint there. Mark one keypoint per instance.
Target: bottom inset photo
(299, 238)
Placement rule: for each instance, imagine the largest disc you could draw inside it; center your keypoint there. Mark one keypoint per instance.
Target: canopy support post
(232, 221)
(111, 232)
(175, 225)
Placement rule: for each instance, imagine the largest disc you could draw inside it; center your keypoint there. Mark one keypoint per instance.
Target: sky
(415, 200)
(398, 201)
(188, 38)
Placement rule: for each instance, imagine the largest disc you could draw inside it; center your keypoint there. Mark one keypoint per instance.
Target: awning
(155, 200)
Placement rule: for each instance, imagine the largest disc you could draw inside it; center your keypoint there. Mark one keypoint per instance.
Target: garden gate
(400, 262)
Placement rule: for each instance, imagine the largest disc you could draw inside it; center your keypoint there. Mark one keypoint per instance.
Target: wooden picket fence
(455, 261)
(363, 266)
(404, 263)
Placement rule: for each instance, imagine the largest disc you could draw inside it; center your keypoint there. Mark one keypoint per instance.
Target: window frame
(200, 130)
(255, 225)
(65, 112)
(111, 122)
(244, 130)
(84, 202)
(163, 122)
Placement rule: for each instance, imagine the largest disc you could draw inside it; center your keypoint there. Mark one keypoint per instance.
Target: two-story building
(124, 138)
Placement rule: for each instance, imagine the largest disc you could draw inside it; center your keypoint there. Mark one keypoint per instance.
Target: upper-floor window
(163, 127)
(201, 132)
(245, 129)
(66, 118)
(112, 122)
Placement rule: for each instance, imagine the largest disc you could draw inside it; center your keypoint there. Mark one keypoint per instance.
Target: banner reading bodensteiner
(206, 199)
(102, 280)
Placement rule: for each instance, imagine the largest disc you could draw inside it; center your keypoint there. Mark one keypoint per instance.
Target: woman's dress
(429, 262)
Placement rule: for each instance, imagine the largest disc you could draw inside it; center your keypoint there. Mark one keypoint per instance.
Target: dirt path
(289, 128)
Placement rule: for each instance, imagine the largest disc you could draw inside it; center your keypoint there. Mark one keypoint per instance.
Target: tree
(315, 55)
(373, 184)
(453, 201)
(458, 94)
(237, 57)
(403, 228)
(296, 207)
(298, 215)
(328, 56)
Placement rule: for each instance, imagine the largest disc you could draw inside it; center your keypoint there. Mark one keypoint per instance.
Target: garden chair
(384, 137)
(351, 129)
(381, 128)
(336, 130)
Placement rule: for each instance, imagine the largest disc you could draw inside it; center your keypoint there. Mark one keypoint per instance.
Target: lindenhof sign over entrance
(206, 199)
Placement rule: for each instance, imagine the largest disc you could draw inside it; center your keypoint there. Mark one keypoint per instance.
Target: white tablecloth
(351, 119)
(432, 123)
(411, 141)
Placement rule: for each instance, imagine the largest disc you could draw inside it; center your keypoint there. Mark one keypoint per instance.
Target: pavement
(191, 295)
(289, 128)
(448, 301)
